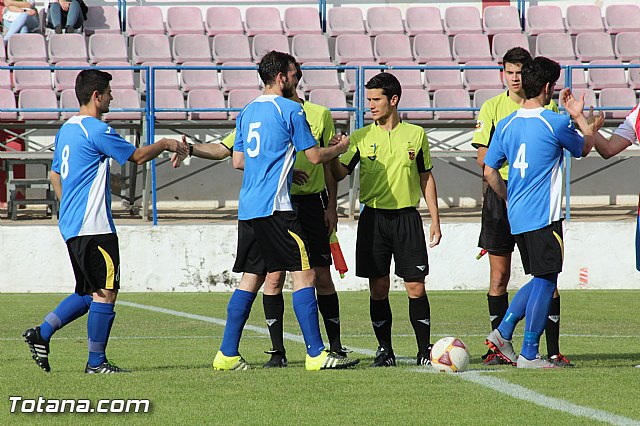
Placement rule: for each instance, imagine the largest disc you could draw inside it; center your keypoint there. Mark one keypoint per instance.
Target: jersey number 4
(521, 160)
(253, 134)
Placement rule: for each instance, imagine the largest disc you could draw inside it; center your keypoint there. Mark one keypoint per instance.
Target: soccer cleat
(329, 361)
(223, 362)
(537, 362)
(384, 358)
(105, 368)
(560, 360)
(424, 358)
(39, 347)
(278, 359)
(342, 351)
(491, 358)
(501, 346)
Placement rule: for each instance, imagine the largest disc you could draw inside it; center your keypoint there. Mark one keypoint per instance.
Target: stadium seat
(501, 19)
(594, 46)
(462, 20)
(262, 20)
(627, 46)
(223, 20)
(206, 98)
(66, 79)
(169, 98)
(415, 98)
(331, 98)
(310, 47)
(353, 47)
(555, 46)
(26, 47)
(5, 77)
(3, 54)
(578, 79)
(544, 19)
(600, 78)
(191, 48)
(122, 79)
(301, 20)
(124, 98)
(67, 47)
(164, 79)
(239, 79)
(584, 18)
(38, 98)
(68, 100)
(31, 79)
(230, 47)
(634, 75)
(408, 78)
(501, 43)
(265, 43)
(452, 98)
(239, 98)
(102, 20)
(423, 20)
(480, 96)
(435, 79)
(618, 97)
(619, 18)
(144, 20)
(589, 97)
(392, 47)
(184, 20)
(431, 47)
(107, 47)
(471, 47)
(344, 20)
(482, 79)
(350, 75)
(319, 79)
(150, 48)
(7, 101)
(198, 79)
(384, 20)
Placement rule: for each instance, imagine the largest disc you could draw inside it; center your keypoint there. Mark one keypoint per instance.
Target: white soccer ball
(450, 355)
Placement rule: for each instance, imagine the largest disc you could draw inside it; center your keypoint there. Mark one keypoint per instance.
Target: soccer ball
(450, 355)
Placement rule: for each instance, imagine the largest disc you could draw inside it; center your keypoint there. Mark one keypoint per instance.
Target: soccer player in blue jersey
(84, 146)
(532, 140)
(269, 132)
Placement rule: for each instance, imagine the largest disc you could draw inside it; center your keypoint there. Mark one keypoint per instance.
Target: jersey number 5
(521, 160)
(64, 167)
(253, 134)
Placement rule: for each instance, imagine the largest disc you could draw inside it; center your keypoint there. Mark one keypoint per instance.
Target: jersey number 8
(64, 167)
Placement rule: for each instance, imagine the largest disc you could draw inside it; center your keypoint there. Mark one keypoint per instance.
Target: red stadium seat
(415, 98)
(184, 20)
(223, 20)
(618, 97)
(409, 79)
(144, 20)
(471, 47)
(480, 96)
(262, 20)
(350, 75)
(164, 79)
(31, 79)
(345, 20)
(230, 47)
(7, 101)
(544, 19)
(594, 46)
(319, 79)
(431, 47)
(462, 20)
(501, 19)
(600, 78)
(452, 98)
(578, 80)
(627, 46)
(555, 46)
(150, 48)
(107, 47)
(423, 20)
(206, 98)
(482, 79)
(198, 79)
(584, 18)
(619, 18)
(392, 47)
(68, 100)
(503, 42)
(38, 98)
(265, 43)
(239, 98)
(384, 20)
(331, 98)
(169, 98)
(239, 79)
(301, 20)
(191, 48)
(353, 47)
(26, 47)
(124, 98)
(102, 20)
(122, 79)
(66, 79)
(435, 79)
(310, 47)
(67, 47)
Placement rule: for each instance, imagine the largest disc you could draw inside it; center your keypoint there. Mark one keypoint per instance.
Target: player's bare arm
(317, 155)
(482, 152)
(149, 152)
(57, 184)
(614, 146)
(338, 170)
(237, 158)
(428, 185)
(495, 180)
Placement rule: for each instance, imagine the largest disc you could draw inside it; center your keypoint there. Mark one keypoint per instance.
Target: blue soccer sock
(305, 306)
(516, 311)
(238, 311)
(70, 309)
(101, 316)
(537, 311)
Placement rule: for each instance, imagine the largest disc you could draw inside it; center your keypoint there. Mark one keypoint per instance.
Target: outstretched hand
(179, 148)
(340, 140)
(596, 121)
(573, 106)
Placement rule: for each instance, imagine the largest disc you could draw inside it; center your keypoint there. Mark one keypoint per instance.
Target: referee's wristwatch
(190, 149)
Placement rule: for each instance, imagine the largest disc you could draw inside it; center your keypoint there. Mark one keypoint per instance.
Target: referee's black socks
(498, 306)
(273, 313)
(552, 329)
(381, 319)
(329, 308)
(420, 316)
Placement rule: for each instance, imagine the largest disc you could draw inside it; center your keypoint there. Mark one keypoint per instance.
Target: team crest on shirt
(479, 125)
(374, 149)
(412, 154)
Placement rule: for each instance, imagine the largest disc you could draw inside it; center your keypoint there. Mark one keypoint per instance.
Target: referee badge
(412, 154)
(479, 125)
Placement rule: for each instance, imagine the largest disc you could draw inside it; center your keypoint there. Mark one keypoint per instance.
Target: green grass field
(171, 356)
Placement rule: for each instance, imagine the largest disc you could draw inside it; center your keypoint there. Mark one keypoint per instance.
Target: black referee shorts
(96, 262)
(495, 233)
(542, 250)
(310, 211)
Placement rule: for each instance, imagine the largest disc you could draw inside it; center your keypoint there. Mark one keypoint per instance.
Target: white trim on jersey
(77, 119)
(555, 192)
(282, 200)
(96, 219)
(268, 98)
(529, 113)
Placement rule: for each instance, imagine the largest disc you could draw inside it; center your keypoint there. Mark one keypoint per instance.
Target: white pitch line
(497, 384)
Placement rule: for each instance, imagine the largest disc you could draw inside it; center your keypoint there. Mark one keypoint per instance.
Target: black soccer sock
(273, 313)
(498, 306)
(420, 316)
(552, 330)
(329, 307)
(381, 319)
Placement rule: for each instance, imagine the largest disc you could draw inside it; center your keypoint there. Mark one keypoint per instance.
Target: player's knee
(324, 282)
(415, 289)
(499, 279)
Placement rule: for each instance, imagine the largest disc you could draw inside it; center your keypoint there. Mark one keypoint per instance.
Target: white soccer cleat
(537, 362)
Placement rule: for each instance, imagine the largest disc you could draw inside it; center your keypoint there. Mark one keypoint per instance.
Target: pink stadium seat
(66, 79)
(482, 79)
(102, 20)
(262, 20)
(392, 47)
(593, 46)
(331, 98)
(600, 78)
(239, 79)
(301, 20)
(3, 54)
(230, 47)
(431, 47)
(301, 94)
(627, 46)
(198, 79)
(462, 20)
(150, 48)
(124, 98)
(26, 47)
(471, 47)
(384, 20)
(409, 79)
(107, 47)
(122, 79)
(5, 77)
(501, 19)
(622, 17)
(578, 80)
(503, 42)
(319, 79)
(191, 48)
(634, 75)
(589, 97)
(223, 20)
(480, 96)
(7, 101)
(584, 18)
(310, 47)
(68, 100)
(67, 47)
(239, 98)
(184, 20)
(544, 19)
(622, 97)
(38, 98)
(144, 20)
(345, 20)
(452, 98)
(423, 20)
(350, 75)
(264, 43)
(555, 46)
(206, 98)
(164, 79)
(31, 79)
(353, 47)
(435, 79)
(415, 98)
(169, 98)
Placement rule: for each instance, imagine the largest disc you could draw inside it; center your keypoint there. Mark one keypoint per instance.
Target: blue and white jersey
(269, 130)
(531, 140)
(84, 145)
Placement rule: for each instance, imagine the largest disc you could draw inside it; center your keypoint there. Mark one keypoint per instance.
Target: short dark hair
(537, 73)
(273, 63)
(387, 82)
(89, 81)
(517, 55)
(298, 71)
